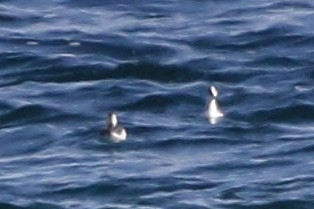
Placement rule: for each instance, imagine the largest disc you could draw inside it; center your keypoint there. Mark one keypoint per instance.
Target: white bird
(116, 133)
(214, 112)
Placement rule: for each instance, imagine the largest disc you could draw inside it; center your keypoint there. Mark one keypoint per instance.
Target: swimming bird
(116, 132)
(214, 112)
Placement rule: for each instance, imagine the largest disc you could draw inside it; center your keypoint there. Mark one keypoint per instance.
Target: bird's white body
(213, 109)
(118, 136)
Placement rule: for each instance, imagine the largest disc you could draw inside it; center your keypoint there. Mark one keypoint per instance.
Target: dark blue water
(65, 64)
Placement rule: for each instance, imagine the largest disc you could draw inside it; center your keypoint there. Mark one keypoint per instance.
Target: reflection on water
(214, 120)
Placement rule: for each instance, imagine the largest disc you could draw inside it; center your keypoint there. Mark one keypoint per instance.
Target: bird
(116, 132)
(214, 112)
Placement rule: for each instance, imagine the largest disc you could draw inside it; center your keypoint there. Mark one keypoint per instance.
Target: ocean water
(65, 64)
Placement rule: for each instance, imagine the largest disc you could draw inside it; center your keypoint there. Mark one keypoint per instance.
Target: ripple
(66, 64)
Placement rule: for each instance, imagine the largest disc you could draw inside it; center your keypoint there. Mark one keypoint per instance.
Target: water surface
(66, 64)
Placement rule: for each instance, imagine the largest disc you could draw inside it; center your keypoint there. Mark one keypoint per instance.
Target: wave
(65, 64)
(31, 206)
